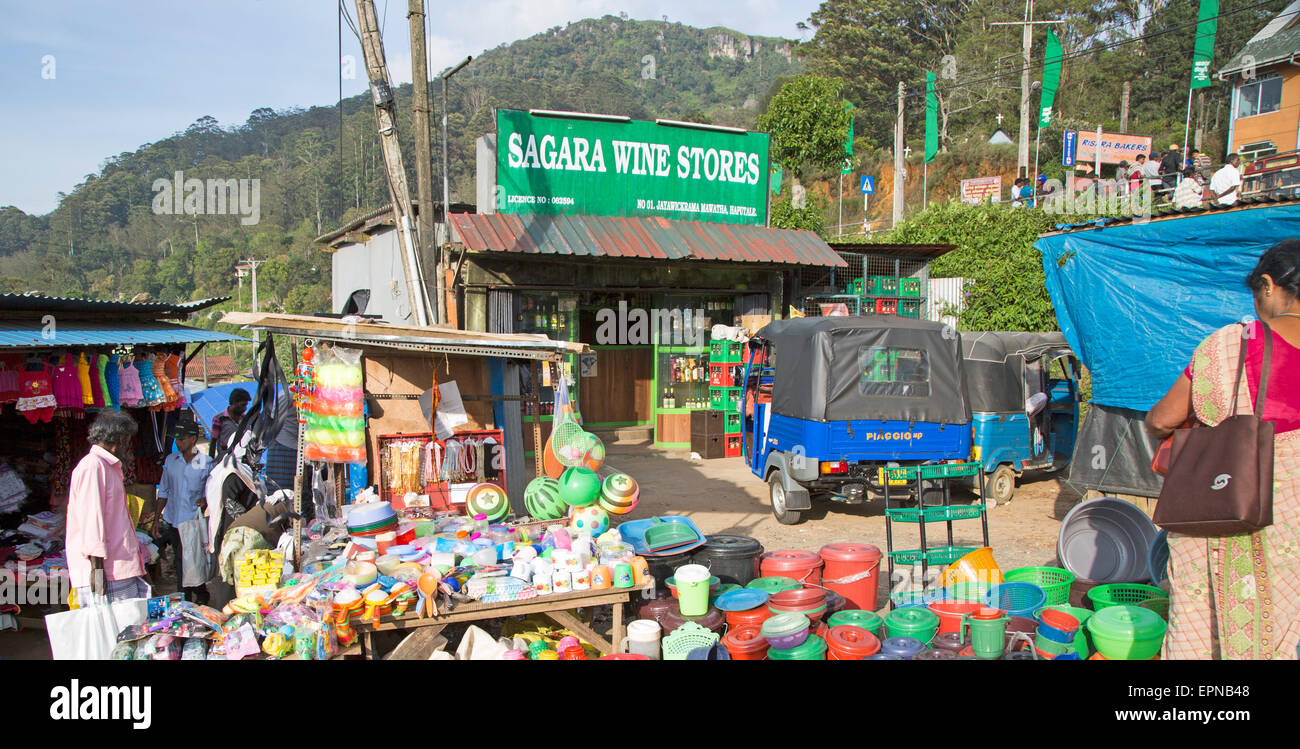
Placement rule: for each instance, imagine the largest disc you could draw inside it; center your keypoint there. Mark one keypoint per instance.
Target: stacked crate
(722, 423)
(888, 295)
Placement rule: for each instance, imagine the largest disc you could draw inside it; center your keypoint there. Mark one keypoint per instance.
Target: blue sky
(86, 79)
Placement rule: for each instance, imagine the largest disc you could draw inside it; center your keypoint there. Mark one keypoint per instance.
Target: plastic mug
(623, 576)
(542, 582)
(581, 580)
(640, 570)
(987, 636)
(601, 577)
(642, 638)
(562, 581)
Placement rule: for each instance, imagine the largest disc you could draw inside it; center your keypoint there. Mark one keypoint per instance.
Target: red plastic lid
(792, 559)
(798, 598)
(853, 639)
(848, 552)
(745, 640)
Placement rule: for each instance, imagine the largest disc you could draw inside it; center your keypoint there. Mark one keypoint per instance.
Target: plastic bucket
(850, 643)
(978, 566)
(987, 636)
(811, 649)
(868, 620)
(733, 558)
(693, 589)
(1081, 642)
(850, 570)
(804, 566)
(661, 568)
(745, 644)
(921, 624)
(951, 612)
(751, 618)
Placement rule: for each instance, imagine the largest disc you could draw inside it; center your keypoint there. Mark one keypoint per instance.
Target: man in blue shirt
(181, 492)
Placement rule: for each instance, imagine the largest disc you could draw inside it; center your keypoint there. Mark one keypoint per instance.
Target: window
(884, 370)
(1260, 97)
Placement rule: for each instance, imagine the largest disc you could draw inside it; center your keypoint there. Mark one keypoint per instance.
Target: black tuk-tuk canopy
(995, 364)
(878, 367)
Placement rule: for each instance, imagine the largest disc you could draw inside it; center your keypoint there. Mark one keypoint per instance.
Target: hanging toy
(304, 386)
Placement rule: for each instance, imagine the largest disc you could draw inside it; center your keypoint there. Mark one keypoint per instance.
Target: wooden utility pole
(900, 175)
(1026, 44)
(381, 92)
(1123, 108)
(429, 249)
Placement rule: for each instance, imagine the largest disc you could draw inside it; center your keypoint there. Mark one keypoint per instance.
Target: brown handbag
(1220, 480)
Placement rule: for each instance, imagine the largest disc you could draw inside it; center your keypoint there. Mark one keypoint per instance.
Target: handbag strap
(1264, 370)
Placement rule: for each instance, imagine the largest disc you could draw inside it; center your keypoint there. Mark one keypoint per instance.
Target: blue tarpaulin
(1135, 299)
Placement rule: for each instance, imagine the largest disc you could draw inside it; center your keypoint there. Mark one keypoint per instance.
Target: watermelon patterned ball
(591, 519)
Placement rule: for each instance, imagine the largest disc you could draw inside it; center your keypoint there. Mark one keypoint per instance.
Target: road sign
(1070, 148)
(868, 185)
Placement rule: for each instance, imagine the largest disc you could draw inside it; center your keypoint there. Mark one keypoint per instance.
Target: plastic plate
(741, 600)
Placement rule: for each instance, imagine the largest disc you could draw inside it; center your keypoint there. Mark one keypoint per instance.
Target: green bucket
(812, 649)
(1081, 644)
(868, 620)
(912, 622)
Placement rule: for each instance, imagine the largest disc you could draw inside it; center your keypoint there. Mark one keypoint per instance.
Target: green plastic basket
(1158, 604)
(935, 555)
(937, 514)
(1054, 581)
(1122, 594)
(909, 287)
(971, 592)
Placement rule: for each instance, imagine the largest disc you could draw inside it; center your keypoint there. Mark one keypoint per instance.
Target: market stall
(62, 361)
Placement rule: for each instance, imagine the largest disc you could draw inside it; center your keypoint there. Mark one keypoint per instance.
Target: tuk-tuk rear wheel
(776, 494)
(1000, 486)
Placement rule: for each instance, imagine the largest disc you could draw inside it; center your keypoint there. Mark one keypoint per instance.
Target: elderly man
(105, 559)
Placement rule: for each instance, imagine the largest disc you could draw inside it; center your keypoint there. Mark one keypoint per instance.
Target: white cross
(999, 119)
(907, 152)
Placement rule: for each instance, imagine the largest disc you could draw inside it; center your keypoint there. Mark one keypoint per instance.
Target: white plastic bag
(196, 562)
(90, 633)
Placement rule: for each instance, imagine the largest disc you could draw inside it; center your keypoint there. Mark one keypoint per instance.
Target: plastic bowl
(785, 631)
(785, 642)
(1106, 540)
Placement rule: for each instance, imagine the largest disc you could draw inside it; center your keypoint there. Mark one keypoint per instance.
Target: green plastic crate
(855, 287)
(936, 555)
(909, 287)
(884, 286)
(724, 399)
(910, 309)
(940, 471)
(935, 514)
(724, 352)
(731, 424)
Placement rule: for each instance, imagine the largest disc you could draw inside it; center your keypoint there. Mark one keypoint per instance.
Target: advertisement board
(575, 165)
(981, 190)
(1115, 147)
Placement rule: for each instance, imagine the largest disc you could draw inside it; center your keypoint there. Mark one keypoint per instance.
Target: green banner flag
(1051, 79)
(931, 118)
(1207, 24)
(778, 173)
(847, 167)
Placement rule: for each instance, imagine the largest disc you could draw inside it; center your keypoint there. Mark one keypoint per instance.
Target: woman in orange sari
(1238, 597)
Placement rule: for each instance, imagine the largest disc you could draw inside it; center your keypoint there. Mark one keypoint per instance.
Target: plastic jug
(642, 638)
(988, 637)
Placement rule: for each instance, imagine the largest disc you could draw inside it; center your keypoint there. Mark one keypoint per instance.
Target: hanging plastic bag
(335, 431)
(196, 562)
(90, 633)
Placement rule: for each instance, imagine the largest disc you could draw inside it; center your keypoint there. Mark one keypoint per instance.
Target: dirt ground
(722, 496)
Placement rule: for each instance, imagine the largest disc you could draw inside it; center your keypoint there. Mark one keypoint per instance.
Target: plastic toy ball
(579, 487)
(591, 519)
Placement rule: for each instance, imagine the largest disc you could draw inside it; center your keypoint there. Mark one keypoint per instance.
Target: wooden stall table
(556, 606)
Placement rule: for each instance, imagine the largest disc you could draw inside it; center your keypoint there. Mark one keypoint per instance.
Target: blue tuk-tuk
(1024, 395)
(829, 401)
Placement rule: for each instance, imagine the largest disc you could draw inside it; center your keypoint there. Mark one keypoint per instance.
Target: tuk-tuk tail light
(834, 466)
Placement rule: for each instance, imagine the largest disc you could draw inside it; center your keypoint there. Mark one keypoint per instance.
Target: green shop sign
(622, 167)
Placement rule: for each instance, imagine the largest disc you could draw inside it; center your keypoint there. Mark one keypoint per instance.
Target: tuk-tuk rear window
(885, 370)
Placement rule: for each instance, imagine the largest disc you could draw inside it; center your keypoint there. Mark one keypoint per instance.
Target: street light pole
(446, 194)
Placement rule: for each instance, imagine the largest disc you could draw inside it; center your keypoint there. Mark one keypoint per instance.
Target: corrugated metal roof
(636, 237)
(1278, 40)
(926, 251)
(53, 304)
(35, 334)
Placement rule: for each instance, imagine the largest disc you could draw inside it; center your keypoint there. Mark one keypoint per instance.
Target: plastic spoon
(428, 589)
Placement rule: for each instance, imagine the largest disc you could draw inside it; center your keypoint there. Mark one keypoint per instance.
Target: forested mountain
(105, 240)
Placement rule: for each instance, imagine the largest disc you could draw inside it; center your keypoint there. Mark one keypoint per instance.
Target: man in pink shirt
(105, 560)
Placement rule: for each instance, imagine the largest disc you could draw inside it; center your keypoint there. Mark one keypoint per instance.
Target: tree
(808, 123)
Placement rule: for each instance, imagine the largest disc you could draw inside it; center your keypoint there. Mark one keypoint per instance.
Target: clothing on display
(36, 395)
(128, 378)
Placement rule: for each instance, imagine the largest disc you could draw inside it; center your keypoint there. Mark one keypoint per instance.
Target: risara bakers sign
(618, 167)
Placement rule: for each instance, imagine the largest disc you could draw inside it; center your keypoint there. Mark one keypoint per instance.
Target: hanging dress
(168, 395)
(67, 383)
(9, 375)
(101, 380)
(151, 393)
(36, 395)
(114, 391)
(173, 367)
(129, 389)
(83, 374)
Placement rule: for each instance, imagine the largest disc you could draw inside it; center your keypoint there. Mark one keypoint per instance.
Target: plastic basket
(1016, 598)
(684, 639)
(724, 399)
(968, 591)
(909, 287)
(883, 285)
(1122, 594)
(910, 309)
(1054, 581)
(917, 598)
(724, 352)
(886, 306)
(1158, 604)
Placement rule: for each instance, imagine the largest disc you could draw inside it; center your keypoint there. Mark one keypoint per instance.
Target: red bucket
(751, 618)
(850, 570)
(849, 643)
(746, 644)
(951, 612)
(804, 566)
